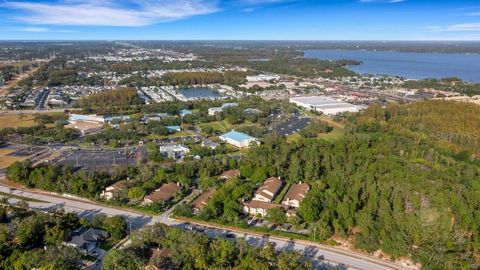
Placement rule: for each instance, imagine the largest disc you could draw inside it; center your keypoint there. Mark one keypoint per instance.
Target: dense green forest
(387, 184)
(303, 67)
(446, 84)
(109, 101)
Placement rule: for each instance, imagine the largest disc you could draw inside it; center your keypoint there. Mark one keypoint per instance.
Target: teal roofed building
(238, 139)
(174, 128)
(185, 112)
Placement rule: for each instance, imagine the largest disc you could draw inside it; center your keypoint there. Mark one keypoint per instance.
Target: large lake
(408, 65)
(199, 93)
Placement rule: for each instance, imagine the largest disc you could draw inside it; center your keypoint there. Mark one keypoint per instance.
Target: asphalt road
(89, 209)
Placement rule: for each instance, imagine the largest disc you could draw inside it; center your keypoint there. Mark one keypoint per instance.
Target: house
(216, 110)
(174, 151)
(185, 112)
(202, 200)
(238, 139)
(174, 128)
(229, 174)
(210, 144)
(164, 193)
(86, 240)
(252, 111)
(118, 118)
(259, 208)
(269, 189)
(295, 194)
(112, 191)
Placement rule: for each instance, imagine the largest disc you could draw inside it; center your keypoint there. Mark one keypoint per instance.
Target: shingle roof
(271, 185)
(164, 193)
(262, 205)
(203, 199)
(297, 192)
(230, 174)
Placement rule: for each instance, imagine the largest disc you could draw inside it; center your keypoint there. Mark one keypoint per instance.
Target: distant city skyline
(240, 20)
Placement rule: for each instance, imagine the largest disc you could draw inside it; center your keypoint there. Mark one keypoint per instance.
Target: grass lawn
(336, 134)
(16, 120)
(221, 126)
(6, 160)
(20, 120)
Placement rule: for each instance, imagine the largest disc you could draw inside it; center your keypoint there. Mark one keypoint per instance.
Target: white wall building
(326, 105)
(262, 78)
(238, 139)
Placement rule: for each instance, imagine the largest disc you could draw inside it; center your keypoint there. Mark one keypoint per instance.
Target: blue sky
(240, 19)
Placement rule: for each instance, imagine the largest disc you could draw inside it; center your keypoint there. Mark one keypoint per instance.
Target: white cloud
(34, 29)
(110, 12)
(43, 30)
(380, 1)
(456, 27)
(474, 14)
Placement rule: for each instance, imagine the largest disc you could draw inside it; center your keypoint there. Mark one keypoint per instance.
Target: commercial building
(324, 104)
(174, 151)
(86, 124)
(262, 78)
(295, 194)
(238, 139)
(216, 110)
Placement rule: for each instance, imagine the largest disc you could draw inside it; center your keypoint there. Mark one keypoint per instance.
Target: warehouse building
(238, 139)
(326, 105)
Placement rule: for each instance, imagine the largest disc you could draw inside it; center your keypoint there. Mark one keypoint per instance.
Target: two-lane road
(85, 208)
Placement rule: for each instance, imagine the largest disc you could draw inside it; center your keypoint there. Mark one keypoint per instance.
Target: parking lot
(97, 159)
(291, 126)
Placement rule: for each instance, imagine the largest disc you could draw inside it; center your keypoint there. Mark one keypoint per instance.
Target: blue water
(408, 65)
(200, 93)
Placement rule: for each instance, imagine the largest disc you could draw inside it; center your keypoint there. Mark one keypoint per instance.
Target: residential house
(295, 194)
(174, 151)
(174, 128)
(210, 144)
(259, 208)
(165, 193)
(202, 200)
(269, 189)
(229, 174)
(87, 240)
(113, 191)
